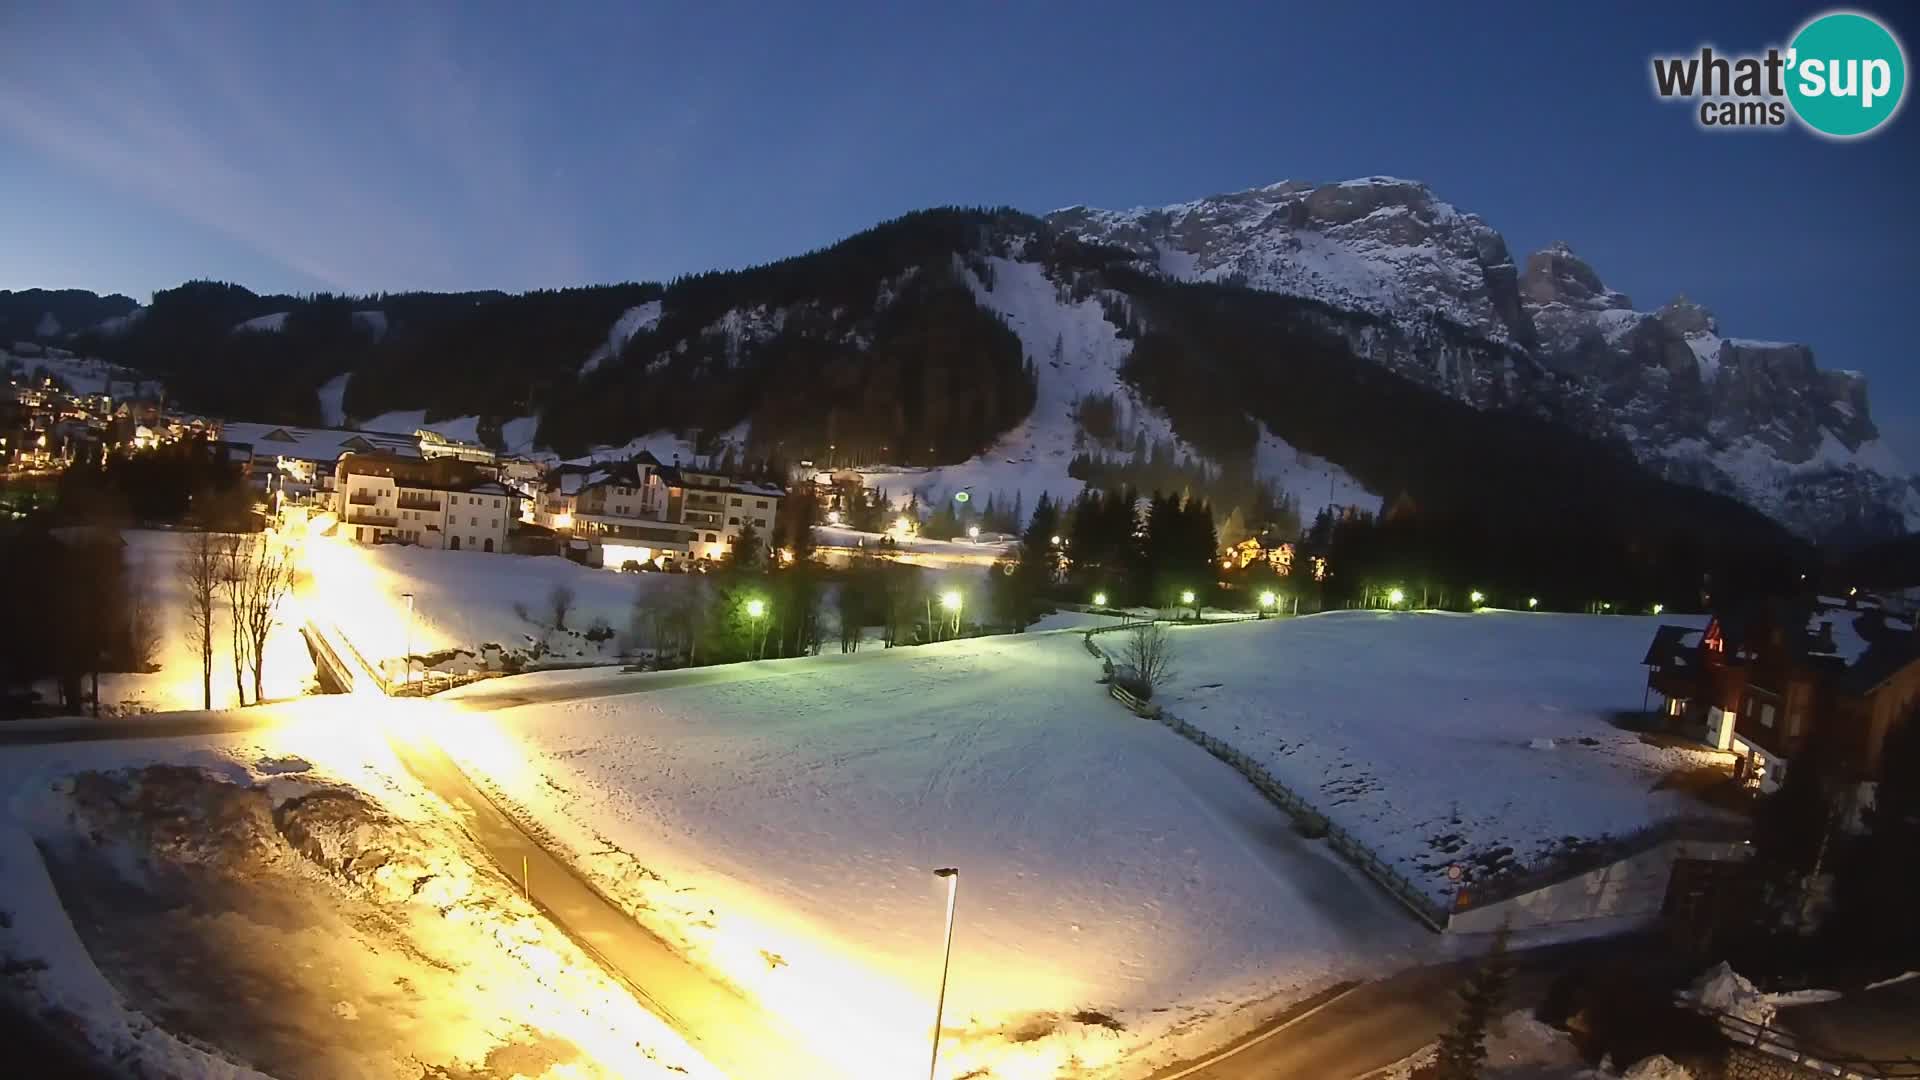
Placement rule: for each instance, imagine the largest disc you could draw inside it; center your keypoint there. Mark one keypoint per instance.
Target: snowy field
(1440, 738)
(466, 601)
(289, 902)
(1123, 896)
(153, 558)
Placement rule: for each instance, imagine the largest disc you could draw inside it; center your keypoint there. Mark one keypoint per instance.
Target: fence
(1310, 819)
(1810, 1060)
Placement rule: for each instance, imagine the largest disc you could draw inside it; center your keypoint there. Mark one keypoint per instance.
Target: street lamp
(1267, 600)
(952, 874)
(1099, 599)
(408, 597)
(1477, 597)
(1658, 608)
(1056, 540)
(1396, 596)
(1532, 602)
(756, 608)
(951, 601)
(973, 532)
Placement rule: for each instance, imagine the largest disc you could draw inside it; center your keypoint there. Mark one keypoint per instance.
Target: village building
(631, 513)
(1763, 681)
(445, 502)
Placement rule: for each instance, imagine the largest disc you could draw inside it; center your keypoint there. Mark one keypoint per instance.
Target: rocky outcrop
(1447, 307)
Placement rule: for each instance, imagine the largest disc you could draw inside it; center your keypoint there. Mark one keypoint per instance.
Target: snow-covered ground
(290, 901)
(1123, 896)
(1439, 738)
(468, 601)
(333, 399)
(153, 558)
(82, 375)
(1032, 458)
(837, 545)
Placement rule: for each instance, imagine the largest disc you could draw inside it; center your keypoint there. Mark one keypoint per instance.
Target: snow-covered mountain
(1442, 301)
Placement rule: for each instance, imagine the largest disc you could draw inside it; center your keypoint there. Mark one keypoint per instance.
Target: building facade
(446, 502)
(1763, 681)
(636, 512)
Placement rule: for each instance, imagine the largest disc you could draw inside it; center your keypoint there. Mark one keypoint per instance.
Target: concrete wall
(1635, 886)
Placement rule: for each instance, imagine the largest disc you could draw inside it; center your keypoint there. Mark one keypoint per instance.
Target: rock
(1438, 300)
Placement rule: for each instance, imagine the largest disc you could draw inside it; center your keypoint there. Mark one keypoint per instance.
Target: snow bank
(1120, 890)
(1657, 1067)
(1727, 991)
(1416, 732)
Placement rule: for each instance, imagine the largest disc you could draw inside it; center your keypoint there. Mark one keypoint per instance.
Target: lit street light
(973, 532)
(952, 874)
(1658, 608)
(756, 608)
(1056, 541)
(408, 597)
(1099, 599)
(1532, 602)
(1477, 597)
(1396, 596)
(1267, 600)
(951, 601)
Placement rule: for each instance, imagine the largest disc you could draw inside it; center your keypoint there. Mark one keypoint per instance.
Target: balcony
(363, 498)
(694, 517)
(367, 517)
(417, 502)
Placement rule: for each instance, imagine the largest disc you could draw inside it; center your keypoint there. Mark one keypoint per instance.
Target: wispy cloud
(385, 165)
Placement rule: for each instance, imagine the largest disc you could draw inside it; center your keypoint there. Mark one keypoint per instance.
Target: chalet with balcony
(1763, 681)
(444, 502)
(639, 511)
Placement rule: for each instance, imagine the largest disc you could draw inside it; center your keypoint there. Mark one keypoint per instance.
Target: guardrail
(1788, 1047)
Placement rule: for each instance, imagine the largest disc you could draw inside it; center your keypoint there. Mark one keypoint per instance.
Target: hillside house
(1762, 681)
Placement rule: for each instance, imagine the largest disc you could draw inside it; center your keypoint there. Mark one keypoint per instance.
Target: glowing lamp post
(973, 532)
(1477, 597)
(1396, 596)
(1532, 602)
(1267, 601)
(408, 597)
(756, 610)
(1188, 599)
(951, 600)
(1099, 599)
(1658, 608)
(952, 874)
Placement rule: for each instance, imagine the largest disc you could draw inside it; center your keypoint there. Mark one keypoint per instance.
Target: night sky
(406, 146)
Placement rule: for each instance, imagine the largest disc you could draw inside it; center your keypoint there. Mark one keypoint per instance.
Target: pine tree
(1463, 1050)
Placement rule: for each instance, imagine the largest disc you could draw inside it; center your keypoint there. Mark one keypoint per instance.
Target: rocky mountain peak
(1686, 318)
(1555, 275)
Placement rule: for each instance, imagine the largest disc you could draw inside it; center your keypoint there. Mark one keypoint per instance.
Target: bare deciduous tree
(269, 578)
(1147, 653)
(200, 573)
(236, 577)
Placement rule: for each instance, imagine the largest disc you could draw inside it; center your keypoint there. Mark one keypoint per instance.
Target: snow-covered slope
(333, 397)
(1753, 419)
(632, 321)
(265, 324)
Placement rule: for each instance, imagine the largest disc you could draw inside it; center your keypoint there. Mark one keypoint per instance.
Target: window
(493, 523)
(735, 501)
(760, 504)
(761, 522)
(712, 539)
(733, 521)
(496, 504)
(1766, 716)
(474, 521)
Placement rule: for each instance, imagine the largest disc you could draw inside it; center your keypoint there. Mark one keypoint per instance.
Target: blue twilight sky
(423, 146)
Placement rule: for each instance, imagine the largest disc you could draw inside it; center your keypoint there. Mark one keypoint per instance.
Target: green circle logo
(1846, 74)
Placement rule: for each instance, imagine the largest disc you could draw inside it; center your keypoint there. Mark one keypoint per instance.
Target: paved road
(1364, 1028)
(730, 1031)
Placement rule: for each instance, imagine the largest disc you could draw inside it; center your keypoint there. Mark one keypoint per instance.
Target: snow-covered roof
(314, 444)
